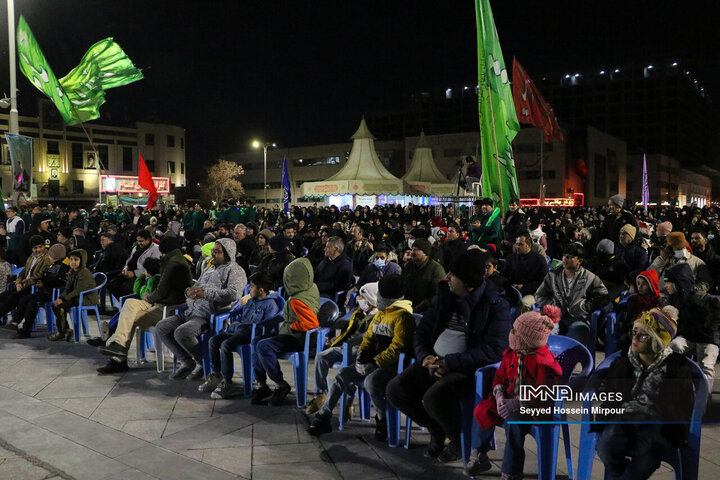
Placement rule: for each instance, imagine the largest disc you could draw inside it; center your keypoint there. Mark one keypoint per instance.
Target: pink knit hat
(532, 329)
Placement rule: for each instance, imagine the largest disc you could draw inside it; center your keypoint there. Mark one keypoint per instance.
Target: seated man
(465, 328)
(421, 276)
(577, 291)
(525, 269)
(144, 248)
(175, 277)
(35, 267)
(352, 335)
(299, 316)
(260, 307)
(335, 271)
(79, 279)
(380, 266)
(390, 334)
(218, 288)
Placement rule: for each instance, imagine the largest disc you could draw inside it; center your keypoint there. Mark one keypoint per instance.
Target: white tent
(423, 174)
(363, 174)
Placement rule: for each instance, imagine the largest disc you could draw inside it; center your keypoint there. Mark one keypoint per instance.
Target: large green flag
(78, 95)
(498, 120)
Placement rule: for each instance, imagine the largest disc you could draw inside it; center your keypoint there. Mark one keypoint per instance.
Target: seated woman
(79, 279)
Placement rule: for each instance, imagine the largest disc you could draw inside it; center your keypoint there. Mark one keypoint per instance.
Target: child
(646, 296)
(652, 385)
(528, 361)
(261, 306)
(79, 279)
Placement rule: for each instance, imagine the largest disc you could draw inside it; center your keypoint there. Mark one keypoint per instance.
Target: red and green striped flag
(498, 120)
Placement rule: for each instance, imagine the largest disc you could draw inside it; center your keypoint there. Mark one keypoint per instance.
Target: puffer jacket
(390, 333)
(175, 277)
(703, 278)
(300, 311)
(587, 293)
(255, 311)
(79, 281)
(223, 285)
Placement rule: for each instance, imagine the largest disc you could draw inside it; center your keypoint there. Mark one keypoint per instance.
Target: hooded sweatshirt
(79, 281)
(698, 319)
(223, 285)
(300, 311)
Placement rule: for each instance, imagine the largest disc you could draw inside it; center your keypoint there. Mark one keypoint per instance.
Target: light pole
(257, 144)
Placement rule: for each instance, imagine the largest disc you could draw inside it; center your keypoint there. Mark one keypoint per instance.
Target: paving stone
(149, 430)
(311, 470)
(20, 469)
(168, 465)
(234, 460)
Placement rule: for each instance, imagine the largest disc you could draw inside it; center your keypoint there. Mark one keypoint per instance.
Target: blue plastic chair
(79, 314)
(45, 313)
(610, 333)
(685, 461)
(300, 362)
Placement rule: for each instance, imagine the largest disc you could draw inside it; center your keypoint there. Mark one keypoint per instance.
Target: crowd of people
(456, 288)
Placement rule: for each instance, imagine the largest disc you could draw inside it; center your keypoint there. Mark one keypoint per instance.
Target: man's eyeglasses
(643, 337)
(215, 251)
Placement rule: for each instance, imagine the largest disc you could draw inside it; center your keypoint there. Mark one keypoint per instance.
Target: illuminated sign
(577, 200)
(123, 184)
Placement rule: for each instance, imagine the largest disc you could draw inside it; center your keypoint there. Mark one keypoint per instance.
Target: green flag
(498, 120)
(78, 95)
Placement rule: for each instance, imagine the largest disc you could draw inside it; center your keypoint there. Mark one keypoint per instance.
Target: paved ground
(59, 419)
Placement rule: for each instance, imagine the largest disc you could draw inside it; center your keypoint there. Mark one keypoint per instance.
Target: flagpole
(542, 171)
(497, 155)
(13, 124)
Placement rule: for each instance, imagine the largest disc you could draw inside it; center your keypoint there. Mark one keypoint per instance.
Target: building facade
(64, 156)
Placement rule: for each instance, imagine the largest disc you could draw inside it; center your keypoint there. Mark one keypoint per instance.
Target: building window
(170, 141)
(182, 142)
(53, 147)
(182, 168)
(171, 168)
(127, 159)
(103, 153)
(77, 155)
(78, 186)
(149, 139)
(151, 165)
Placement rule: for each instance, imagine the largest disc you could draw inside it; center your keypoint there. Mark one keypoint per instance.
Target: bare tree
(222, 182)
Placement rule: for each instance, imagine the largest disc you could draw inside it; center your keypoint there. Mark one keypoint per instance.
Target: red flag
(145, 181)
(531, 107)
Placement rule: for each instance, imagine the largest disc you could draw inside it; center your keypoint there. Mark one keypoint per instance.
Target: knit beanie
(370, 292)
(677, 240)
(208, 238)
(279, 243)
(36, 240)
(419, 233)
(423, 244)
(661, 323)
(532, 329)
(391, 286)
(618, 200)
(57, 252)
(168, 244)
(206, 249)
(664, 228)
(630, 230)
(266, 233)
(605, 246)
(469, 267)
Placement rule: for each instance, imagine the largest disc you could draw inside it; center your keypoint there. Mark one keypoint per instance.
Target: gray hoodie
(223, 285)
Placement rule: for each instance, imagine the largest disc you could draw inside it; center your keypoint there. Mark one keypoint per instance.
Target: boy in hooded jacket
(299, 316)
(79, 279)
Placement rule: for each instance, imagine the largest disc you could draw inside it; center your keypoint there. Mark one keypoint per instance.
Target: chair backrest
(483, 380)
(418, 318)
(328, 312)
(514, 296)
(100, 279)
(247, 289)
(568, 353)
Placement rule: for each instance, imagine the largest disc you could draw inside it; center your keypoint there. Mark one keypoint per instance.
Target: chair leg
(546, 437)
(392, 415)
(159, 352)
(247, 370)
(568, 449)
(408, 431)
(301, 380)
(343, 400)
(140, 345)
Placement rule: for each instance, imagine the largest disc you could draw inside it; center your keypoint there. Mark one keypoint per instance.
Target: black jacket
(528, 270)
(332, 276)
(634, 257)
(449, 250)
(488, 327)
(175, 277)
(712, 260)
(112, 259)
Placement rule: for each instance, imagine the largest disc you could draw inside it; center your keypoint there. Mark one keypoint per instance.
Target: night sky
(303, 72)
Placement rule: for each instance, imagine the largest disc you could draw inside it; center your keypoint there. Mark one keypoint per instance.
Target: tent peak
(422, 141)
(362, 131)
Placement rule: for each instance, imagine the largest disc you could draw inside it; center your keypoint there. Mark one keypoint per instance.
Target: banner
(286, 186)
(21, 159)
(145, 180)
(78, 95)
(498, 120)
(530, 106)
(645, 189)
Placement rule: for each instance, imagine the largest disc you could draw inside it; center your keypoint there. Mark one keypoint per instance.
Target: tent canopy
(423, 175)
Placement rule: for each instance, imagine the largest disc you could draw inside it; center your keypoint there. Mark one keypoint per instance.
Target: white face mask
(679, 253)
(364, 305)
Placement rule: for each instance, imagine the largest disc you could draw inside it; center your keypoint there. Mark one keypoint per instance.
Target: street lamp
(257, 144)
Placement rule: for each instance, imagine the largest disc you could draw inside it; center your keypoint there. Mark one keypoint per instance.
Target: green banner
(78, 95)
(498, 120)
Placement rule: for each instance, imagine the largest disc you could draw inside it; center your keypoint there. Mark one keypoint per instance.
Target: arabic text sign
(124, 184)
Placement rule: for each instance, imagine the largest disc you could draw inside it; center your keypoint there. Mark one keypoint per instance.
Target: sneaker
(316, 403)
(437, 445)
(260, 396)
(113, 350)
(451, 453)
(183, 370)
(96, 342)
(113, 366)
(380, 429)
(198, 373)
(223, 390)
(281, 391)
(477, 464)
(212, 381)
(320, 424)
